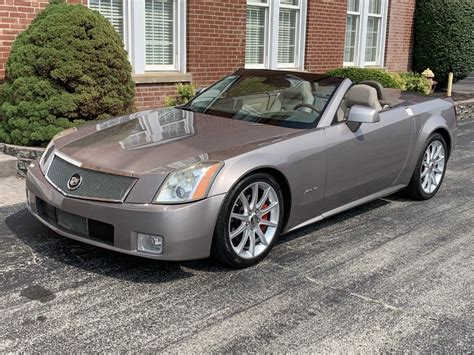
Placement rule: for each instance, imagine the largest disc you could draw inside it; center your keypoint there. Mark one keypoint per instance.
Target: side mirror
(362, 114)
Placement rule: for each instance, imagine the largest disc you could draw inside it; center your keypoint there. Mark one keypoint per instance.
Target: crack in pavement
(356, 295)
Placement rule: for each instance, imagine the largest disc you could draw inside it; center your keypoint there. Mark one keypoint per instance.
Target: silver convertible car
(255, 155)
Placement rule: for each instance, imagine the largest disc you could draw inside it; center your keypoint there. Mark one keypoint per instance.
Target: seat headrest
(377, 86)
(363, 95)
(300, 91)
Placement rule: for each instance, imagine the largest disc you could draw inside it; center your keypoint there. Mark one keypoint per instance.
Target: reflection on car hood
(164, 139)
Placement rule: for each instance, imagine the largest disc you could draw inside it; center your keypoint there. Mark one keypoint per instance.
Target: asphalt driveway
(391, 275)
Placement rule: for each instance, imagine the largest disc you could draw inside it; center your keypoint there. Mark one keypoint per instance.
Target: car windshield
(287, 99)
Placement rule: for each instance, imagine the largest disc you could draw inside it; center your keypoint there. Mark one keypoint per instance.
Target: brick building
(172, 41)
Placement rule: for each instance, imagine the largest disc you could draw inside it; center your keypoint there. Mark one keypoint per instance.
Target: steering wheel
(312, 107)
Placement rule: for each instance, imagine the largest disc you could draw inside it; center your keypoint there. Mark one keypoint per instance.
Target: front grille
(85, 227)
(95, 185)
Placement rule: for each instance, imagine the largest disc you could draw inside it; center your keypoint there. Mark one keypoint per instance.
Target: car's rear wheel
(249, 222)
(430, 169)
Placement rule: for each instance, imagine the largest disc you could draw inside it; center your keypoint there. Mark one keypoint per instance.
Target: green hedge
(415, 82)
(67, 67)
(184, 93)
(388, 80)
(444, 38)
(403, 81)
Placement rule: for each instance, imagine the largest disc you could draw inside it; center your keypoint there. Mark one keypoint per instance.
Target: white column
(274, 15)
(137, 47)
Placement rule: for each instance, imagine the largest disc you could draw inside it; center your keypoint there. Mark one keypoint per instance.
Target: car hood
(163, 139)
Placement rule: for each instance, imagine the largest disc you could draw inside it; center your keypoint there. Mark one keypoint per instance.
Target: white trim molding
(271, 35)
(134, 36)
(359, 15)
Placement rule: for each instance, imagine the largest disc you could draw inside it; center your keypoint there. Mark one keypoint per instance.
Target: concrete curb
(8, 165)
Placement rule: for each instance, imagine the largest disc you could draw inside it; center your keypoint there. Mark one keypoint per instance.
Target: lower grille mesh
(95, 185)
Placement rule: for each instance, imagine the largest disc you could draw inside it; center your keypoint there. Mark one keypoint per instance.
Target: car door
(366, 159)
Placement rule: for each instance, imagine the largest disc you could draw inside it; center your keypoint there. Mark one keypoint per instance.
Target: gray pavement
(391, 275)
(465, 86)
(12, 190)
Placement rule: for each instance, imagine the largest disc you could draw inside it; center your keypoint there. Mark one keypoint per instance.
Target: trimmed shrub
(388, 80)
(404, 81)
(67, 67)
(415, 82)
(444, 38)
(184, 93)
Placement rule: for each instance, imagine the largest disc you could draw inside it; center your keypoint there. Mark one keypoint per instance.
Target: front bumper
(187, 229)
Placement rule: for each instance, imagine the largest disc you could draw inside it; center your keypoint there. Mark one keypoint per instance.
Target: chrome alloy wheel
(432, 167)
(254, 220)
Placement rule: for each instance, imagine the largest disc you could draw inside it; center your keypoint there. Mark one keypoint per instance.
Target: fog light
(29, 198)
(150, 243)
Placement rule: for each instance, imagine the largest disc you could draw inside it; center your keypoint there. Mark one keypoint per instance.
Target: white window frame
(361, 35)
(126, 21)
(272, 19)
(134, 37)
(357, 39)
(267, 7)
(296, 63)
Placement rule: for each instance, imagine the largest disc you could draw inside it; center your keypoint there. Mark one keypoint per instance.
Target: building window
(112, 10)
(365, 33)
(256, 34)
(288, 33)
(275, 34)
(153, 31)
(160, 34)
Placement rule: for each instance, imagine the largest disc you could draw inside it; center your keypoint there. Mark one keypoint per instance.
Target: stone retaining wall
(465, 109)
(25, 156)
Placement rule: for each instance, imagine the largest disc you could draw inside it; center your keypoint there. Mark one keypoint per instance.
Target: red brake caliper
(265, 217)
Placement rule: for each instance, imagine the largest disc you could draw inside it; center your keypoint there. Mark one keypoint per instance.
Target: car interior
(288, 98)
(368, 93)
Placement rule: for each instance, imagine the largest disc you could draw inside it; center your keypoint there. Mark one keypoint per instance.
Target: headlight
(190, 184)
(45, 158)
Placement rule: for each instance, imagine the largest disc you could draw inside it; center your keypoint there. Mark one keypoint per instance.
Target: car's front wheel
(249, 221)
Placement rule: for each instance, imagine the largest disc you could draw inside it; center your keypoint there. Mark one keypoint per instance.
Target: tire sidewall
(221, 234)
(417, 174)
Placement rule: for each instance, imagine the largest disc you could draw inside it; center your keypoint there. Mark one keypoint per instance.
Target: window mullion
(127, 29)
(383, 34)
(274, 19)
(301, 35)
(181, 36)
(137, 26)
(363, 33)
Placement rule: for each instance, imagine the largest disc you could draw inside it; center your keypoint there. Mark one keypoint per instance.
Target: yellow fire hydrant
(428, 74)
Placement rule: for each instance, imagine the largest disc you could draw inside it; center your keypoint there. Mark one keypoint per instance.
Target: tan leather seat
(361, 94)
(288, 98)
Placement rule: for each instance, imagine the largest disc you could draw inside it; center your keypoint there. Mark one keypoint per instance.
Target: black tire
(414, 189)
(221, 246)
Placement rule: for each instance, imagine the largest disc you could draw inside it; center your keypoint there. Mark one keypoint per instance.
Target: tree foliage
(67, 67)
(388, 80)
(444, 38)
(415, 82)
(403, 81)
(184, 93)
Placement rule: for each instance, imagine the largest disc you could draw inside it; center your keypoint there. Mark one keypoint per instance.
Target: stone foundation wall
(465, 109)
(25, 156)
